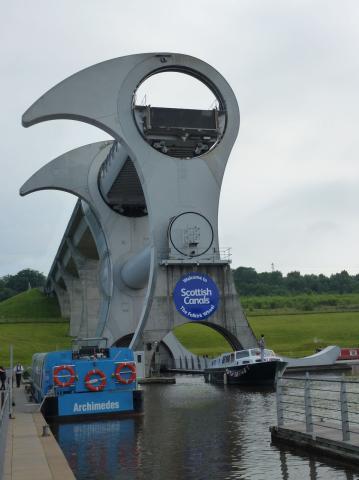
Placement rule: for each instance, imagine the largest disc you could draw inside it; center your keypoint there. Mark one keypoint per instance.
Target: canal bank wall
(322, 442)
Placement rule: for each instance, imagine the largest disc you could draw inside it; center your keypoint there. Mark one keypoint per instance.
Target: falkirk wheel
(141, 253)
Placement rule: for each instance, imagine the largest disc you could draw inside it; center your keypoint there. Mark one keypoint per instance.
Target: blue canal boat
(91, 380)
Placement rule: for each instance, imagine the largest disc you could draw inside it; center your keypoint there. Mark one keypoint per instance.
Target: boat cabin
(243, 357)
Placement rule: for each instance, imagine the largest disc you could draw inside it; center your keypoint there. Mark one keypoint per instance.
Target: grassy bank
(300, 335)
(290, 335)
(286, 304)
(28, 339)
(31, 322)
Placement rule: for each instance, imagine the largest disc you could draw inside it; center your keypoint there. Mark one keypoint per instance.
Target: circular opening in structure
(178, 114)
(175, 90)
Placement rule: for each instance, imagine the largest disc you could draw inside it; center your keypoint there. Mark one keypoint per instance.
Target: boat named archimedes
(90, 381)
(246, 367)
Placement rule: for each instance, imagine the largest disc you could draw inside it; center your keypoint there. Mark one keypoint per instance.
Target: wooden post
(344, 410)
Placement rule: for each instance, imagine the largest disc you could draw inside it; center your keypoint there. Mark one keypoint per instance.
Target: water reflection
(191, 430)
(318, 468)
(97, 449)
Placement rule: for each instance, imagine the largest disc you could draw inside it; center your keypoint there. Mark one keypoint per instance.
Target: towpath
(29, 455)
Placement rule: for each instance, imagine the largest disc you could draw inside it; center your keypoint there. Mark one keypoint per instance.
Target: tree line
(11, 285)
(250, 282)
(247, 280)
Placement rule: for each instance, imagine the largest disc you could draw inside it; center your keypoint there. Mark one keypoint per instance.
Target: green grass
(299, 335)
(275, 304)
(31, 322)
(201, 340)
(28, 339)
(290, 335)
(31, 305)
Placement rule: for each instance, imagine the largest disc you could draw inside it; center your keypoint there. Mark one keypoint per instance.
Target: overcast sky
(290, 194)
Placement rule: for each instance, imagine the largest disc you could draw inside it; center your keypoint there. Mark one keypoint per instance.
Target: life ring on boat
(120, 378)
(66, 383)
(89, 382)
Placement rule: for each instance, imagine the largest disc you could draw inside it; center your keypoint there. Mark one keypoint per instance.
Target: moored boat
(246, 367)
(91, 380)
(348, 354)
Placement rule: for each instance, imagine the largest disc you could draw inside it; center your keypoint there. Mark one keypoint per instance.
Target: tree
(295, 282)
(23, 280)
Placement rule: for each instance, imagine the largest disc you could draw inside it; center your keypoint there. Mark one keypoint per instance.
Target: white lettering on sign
(93, 406)
(201, 295)
(195, 277)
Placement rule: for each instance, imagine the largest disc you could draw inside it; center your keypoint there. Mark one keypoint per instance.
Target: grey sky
(290, 193)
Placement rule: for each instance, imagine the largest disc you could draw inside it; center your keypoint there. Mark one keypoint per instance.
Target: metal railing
(4, 406)
(319, 402)
(5, 413)
(221, 255)
(186, 363)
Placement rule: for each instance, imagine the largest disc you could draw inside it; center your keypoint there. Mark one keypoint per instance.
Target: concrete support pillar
(88, 270)
(63, 299)
(74, 289)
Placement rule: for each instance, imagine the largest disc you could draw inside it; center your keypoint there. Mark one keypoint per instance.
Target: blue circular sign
(196, 296)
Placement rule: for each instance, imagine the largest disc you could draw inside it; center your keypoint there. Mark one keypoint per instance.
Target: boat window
(232, 357)
(223, 359)
(242, 353)
(255, 351)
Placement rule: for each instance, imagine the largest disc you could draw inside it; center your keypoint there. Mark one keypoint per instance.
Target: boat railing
(312, 403)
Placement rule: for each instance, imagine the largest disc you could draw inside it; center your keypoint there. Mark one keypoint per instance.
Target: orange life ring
(66, 383)
(89, 382)
(120, 378)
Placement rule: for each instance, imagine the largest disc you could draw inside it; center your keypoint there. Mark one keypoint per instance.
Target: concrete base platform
(325, 440)
(28, 454)
(142, 381)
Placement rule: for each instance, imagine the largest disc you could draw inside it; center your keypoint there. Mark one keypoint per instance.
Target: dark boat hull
(255, 374)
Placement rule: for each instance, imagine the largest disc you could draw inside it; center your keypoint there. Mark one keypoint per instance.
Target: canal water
(191, 431)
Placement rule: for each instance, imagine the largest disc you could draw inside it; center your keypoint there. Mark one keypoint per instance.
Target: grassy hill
(31, 322)
(32, 306)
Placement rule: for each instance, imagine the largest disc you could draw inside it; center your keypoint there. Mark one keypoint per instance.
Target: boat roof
(248, 352)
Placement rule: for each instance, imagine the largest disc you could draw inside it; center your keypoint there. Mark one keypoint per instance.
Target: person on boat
(262, 346)
(2, 377)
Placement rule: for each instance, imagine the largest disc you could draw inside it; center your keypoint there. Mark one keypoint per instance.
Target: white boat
(246, 367)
